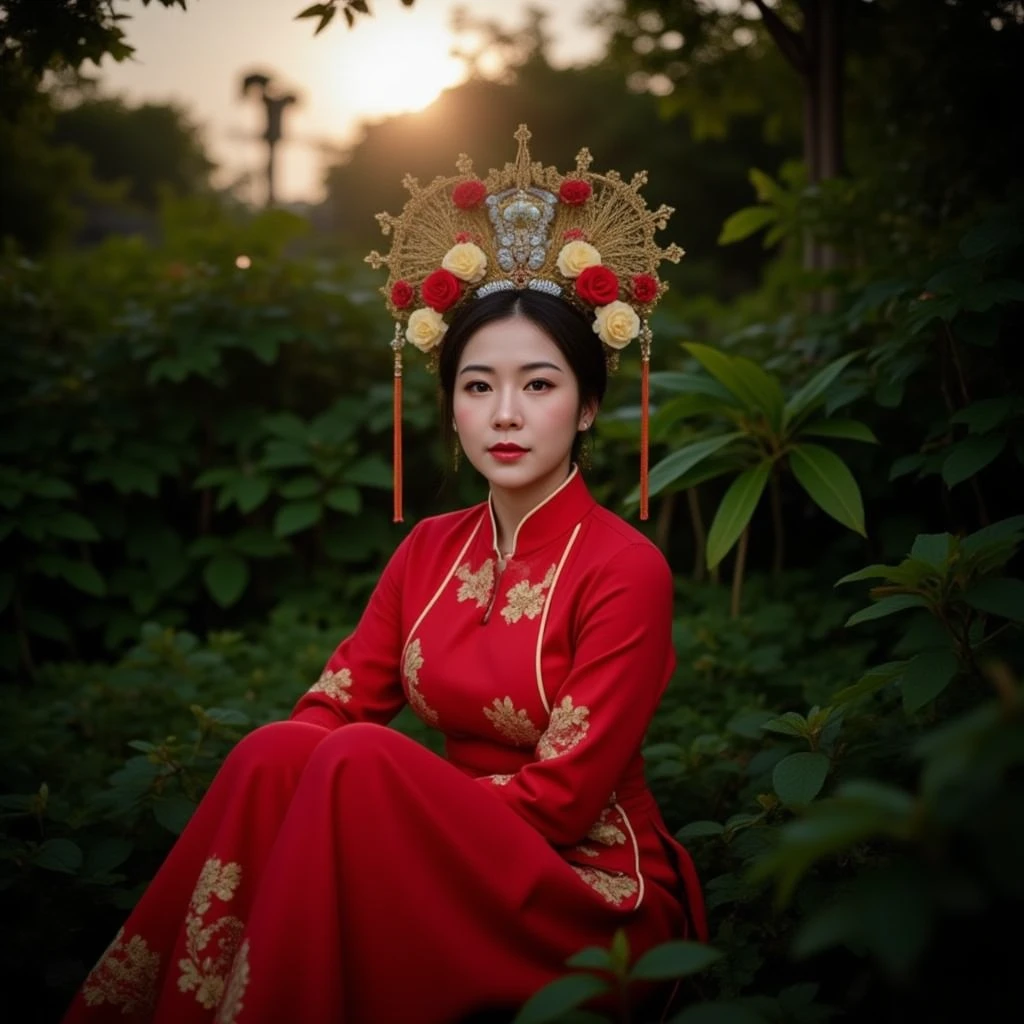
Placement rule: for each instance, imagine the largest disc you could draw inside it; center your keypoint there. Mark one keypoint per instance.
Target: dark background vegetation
(194, 490)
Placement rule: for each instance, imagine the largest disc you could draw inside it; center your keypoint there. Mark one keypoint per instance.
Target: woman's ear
(588, 413)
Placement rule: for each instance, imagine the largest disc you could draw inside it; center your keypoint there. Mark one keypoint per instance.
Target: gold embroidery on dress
(587, 851)
(208, 974)
(513, 725)
(605, 832)
(527, 598)
(500, 780)
(335, 684)
(125, 976)
(476, 586)
(612, 885)
(567, 727)
(413, 664)
(238, 981)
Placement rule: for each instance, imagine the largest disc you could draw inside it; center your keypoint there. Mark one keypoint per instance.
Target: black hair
(565, 325)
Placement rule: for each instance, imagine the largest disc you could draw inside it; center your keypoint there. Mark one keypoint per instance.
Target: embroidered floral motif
(527, 598)
(207, 974)
(238, 981)
(476, 586)
(612, 885)
(567, 727)
(335, 684)
(125, 976)
(606, 832)
(500, 780)
(587, 851)
(513, 725)
(413, 664)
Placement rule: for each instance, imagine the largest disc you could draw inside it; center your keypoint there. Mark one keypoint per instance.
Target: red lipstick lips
(504, 451)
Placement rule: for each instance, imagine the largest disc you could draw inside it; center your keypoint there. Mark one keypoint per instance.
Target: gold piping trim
(636, 855)
(544, 617)
(439, 591)
(536, 508)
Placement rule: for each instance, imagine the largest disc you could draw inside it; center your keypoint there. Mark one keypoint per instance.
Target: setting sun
(395, 63)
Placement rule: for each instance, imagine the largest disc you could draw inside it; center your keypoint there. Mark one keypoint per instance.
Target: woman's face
(517, 408)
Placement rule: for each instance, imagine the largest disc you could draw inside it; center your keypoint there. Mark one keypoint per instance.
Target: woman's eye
(539, 385)
(476, 387)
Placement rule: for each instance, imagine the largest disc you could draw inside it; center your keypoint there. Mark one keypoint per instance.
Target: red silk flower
(645, 288)
(440, 290)
(574, 191)
(401, 294)
(468, 194)
(598, 286)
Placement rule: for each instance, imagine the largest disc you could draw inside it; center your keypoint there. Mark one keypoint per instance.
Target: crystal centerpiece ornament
(521, 219)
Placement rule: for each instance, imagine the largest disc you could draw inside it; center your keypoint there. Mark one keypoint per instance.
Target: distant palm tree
(274, 104)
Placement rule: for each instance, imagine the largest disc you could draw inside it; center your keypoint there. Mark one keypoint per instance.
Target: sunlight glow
(394, 63)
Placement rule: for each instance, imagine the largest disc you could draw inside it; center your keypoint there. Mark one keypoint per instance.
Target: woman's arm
(361, 681)
(622, 663)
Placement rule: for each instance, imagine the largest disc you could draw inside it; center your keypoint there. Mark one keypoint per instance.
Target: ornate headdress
(586, 237)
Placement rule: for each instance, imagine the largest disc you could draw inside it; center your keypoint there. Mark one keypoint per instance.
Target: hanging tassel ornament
(396, 467)
(645, 416)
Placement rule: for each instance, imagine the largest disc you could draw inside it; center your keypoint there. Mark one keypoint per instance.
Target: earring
(584, 454)
(456, 456)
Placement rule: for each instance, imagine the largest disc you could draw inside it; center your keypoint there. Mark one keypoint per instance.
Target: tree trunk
(818, 56)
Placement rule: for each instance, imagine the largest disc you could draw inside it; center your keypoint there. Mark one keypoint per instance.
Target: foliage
(752, 429)
(147, 148)
(193, 498)
(181, 438)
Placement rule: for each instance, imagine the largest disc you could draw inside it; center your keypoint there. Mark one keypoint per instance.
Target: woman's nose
(507, 413)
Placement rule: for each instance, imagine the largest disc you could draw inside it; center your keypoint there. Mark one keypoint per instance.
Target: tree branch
(788, 41)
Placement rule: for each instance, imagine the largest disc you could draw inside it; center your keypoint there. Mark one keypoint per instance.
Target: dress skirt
(351, 876)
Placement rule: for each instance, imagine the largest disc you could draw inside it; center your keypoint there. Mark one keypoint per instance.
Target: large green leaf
(674, 960)
(296, 516)
(735, 511)
(798, 778)
(1002, 596)
(812, 394)
(730, 1012)
(993, 535)
(986, 414)
(970, 456)
(250, 492)
(673, 466)
(887, 606)
(869, 572)
(59, 855)
(700, 830)
(679, 382)
(85, 578)
(926, 675)
(226, 576)
(756, 389)
(558, 997)
(932, 548)
(70, 526)
(851, 430)
(743, 223)
(830, 484)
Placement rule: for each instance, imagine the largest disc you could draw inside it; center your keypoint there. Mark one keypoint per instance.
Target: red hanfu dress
(337, 871)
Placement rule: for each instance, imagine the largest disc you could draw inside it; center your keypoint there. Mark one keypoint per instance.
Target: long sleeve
(361, 681)
(622, 662)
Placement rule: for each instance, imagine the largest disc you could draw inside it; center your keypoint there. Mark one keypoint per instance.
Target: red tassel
(645, 428)
(396, 469)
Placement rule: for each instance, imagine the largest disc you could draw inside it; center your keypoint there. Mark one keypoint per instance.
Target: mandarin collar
(559, 512)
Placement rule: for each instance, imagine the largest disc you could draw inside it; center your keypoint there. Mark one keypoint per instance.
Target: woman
(338, 871)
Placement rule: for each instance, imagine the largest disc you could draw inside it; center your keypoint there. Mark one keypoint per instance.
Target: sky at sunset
(396, 60)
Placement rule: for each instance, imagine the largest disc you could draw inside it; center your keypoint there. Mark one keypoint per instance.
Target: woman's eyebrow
(525, 368)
